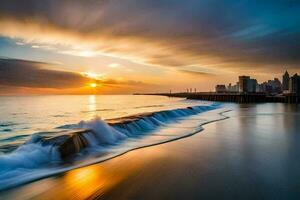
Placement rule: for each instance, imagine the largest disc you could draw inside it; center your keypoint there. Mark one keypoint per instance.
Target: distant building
(246, 84)
(271, 87)
(252, 85)
(265, 87)
(243, 83)
(262, 87)
(232, 88)
(294, 86)
(220, 88)
(285, 82)
(277, 86)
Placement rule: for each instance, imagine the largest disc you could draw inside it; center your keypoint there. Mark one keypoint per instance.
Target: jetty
(235, 97)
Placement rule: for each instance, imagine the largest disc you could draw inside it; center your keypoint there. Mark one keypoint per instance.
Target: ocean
(41, 136)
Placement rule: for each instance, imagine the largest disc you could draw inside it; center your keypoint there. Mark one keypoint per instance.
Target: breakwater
(235, 97)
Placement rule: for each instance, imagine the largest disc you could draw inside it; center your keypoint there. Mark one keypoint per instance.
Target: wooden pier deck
(234, 97)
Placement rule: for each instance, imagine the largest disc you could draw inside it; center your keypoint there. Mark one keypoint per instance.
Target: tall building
(285, 81)
(243, 83)
(252, 84)
(294, 86)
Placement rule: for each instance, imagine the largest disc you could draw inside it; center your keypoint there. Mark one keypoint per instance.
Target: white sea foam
(28, 156)
(104, 133)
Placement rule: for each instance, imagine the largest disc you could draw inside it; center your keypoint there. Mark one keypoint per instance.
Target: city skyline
(106, 49)
(288, 84)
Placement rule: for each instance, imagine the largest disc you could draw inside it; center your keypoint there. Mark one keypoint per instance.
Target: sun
(93, 85)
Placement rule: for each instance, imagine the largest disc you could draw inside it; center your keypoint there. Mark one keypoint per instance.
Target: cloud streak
(30, 74)
(221, 34)
(21, 73)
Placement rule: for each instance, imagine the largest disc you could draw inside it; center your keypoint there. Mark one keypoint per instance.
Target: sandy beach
(252, 155)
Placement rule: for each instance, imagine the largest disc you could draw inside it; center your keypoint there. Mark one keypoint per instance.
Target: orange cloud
(21, 77)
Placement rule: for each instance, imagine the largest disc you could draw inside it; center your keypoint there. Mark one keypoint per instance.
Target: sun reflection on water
(92, 105)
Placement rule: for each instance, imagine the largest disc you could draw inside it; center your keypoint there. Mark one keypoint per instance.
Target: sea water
(114, 124)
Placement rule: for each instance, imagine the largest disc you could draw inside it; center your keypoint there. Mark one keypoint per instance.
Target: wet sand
(255, 154)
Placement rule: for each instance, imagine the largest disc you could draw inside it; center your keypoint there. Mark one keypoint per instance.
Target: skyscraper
(243, 83)
(285, 81)
(294, 87)
(252, 84)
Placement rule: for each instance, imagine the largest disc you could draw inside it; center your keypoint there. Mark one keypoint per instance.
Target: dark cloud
(235, 32)
(23, 73)
(113, 82)
(196, 73)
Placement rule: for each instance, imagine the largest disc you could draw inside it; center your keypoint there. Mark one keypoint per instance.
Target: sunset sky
(126, 46)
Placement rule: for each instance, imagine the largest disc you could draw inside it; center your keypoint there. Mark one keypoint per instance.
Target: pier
(234, 97)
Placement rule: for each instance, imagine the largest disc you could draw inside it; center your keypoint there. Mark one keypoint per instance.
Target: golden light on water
(92, 105)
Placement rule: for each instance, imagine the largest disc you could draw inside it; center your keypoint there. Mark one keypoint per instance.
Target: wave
(7, 130)
(6, 124)
(14, 138)
(97, 110)
(50, 153)
(150, 106)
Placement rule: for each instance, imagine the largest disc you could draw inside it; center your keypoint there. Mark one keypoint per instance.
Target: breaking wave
(88, 142)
